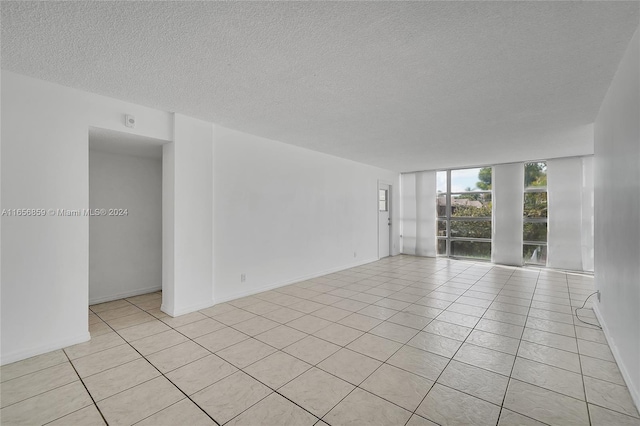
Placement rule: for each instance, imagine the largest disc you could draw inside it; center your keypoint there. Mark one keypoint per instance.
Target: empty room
(320, 213)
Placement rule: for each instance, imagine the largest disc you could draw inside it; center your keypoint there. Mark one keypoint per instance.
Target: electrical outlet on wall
(243, 278)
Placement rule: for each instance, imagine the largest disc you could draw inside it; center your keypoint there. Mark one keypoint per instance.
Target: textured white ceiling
(401, 85)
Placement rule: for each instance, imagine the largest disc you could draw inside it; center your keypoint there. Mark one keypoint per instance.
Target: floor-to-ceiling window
(534, 248)
(464, 210)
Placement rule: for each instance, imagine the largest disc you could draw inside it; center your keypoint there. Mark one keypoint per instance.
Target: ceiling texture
(400, 85)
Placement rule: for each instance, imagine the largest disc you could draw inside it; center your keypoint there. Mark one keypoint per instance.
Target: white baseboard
(186, 309)
(635, 392)
(291, 281)
(39, 350)
(124, 295)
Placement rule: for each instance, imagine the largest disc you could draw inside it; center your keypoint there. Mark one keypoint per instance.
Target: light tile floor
(402, 341)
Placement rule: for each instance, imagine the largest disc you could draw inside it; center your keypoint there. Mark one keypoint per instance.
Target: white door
(384, 220)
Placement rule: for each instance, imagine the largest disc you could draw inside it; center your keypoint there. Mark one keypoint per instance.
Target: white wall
(188, 248)
(617, 216)
(125, 252)
(283, 213)
(45, 162)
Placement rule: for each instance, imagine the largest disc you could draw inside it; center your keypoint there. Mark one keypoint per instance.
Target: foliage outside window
(464, 210)
(534, 231)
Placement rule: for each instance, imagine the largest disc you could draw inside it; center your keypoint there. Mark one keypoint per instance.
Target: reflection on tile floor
(405, 340)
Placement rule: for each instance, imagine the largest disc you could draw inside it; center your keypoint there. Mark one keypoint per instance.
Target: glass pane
(470, 229)
(535, 204)
(534, 254)
(382, 206)
(382, 194)
(466, 180)
(471, 205)
(442, 228)
(535, 175)
(441, 181)
(442, 247)
(535, 232)
(441, 205)
(475, 249)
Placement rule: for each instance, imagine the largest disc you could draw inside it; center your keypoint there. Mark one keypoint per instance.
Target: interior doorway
(125, 215)
(384, 220)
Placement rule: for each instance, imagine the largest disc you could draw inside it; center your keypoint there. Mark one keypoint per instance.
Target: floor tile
(101, 361)
(274, 410)
(447, 406)
(398, 386)
(230, 396)
(500, 328)
(281, 336)
(491, 360)
(511, 418)
(378, 312)
(548, 377)
(308, 324)
(221, 339)
(374, 346)
(425, 364)
(397, 305)
(557, 341)
(360, 322)
(158, 342)
(544, 405)
(316, 391)
(199, 374)
(312, 349)
(183, 412)
(396, 332)
(410, 320)
(603, 417)
(234, 317)
(123, 311)
(115, 304)
(143, 330)
(185, 319)
(199, 328)
(475, 381)
(30, 365)
(603, 370)
(123, 377)
(361, 407)
(306, 306)
(87, 416)
(331, 313)
(547, 355)
(551, 326)
(349, 366)
(177, 356)
(434, 343)
(277, 369)
(96, 344)
(137, 403)
(349, 304)
(595, 350)
(36, 383)
(283, 315)
(130, 320)
(610, 395)
(505, 317)
(262, 308)
(445, 329)
(246, 352)
(416, 420)
(338, 334)
(218, 309)
(494, 341)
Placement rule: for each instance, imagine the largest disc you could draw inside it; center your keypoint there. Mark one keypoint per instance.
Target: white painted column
(508, 200)
(409, 219)
(564, 187)
(425, 213)
(189, 286)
